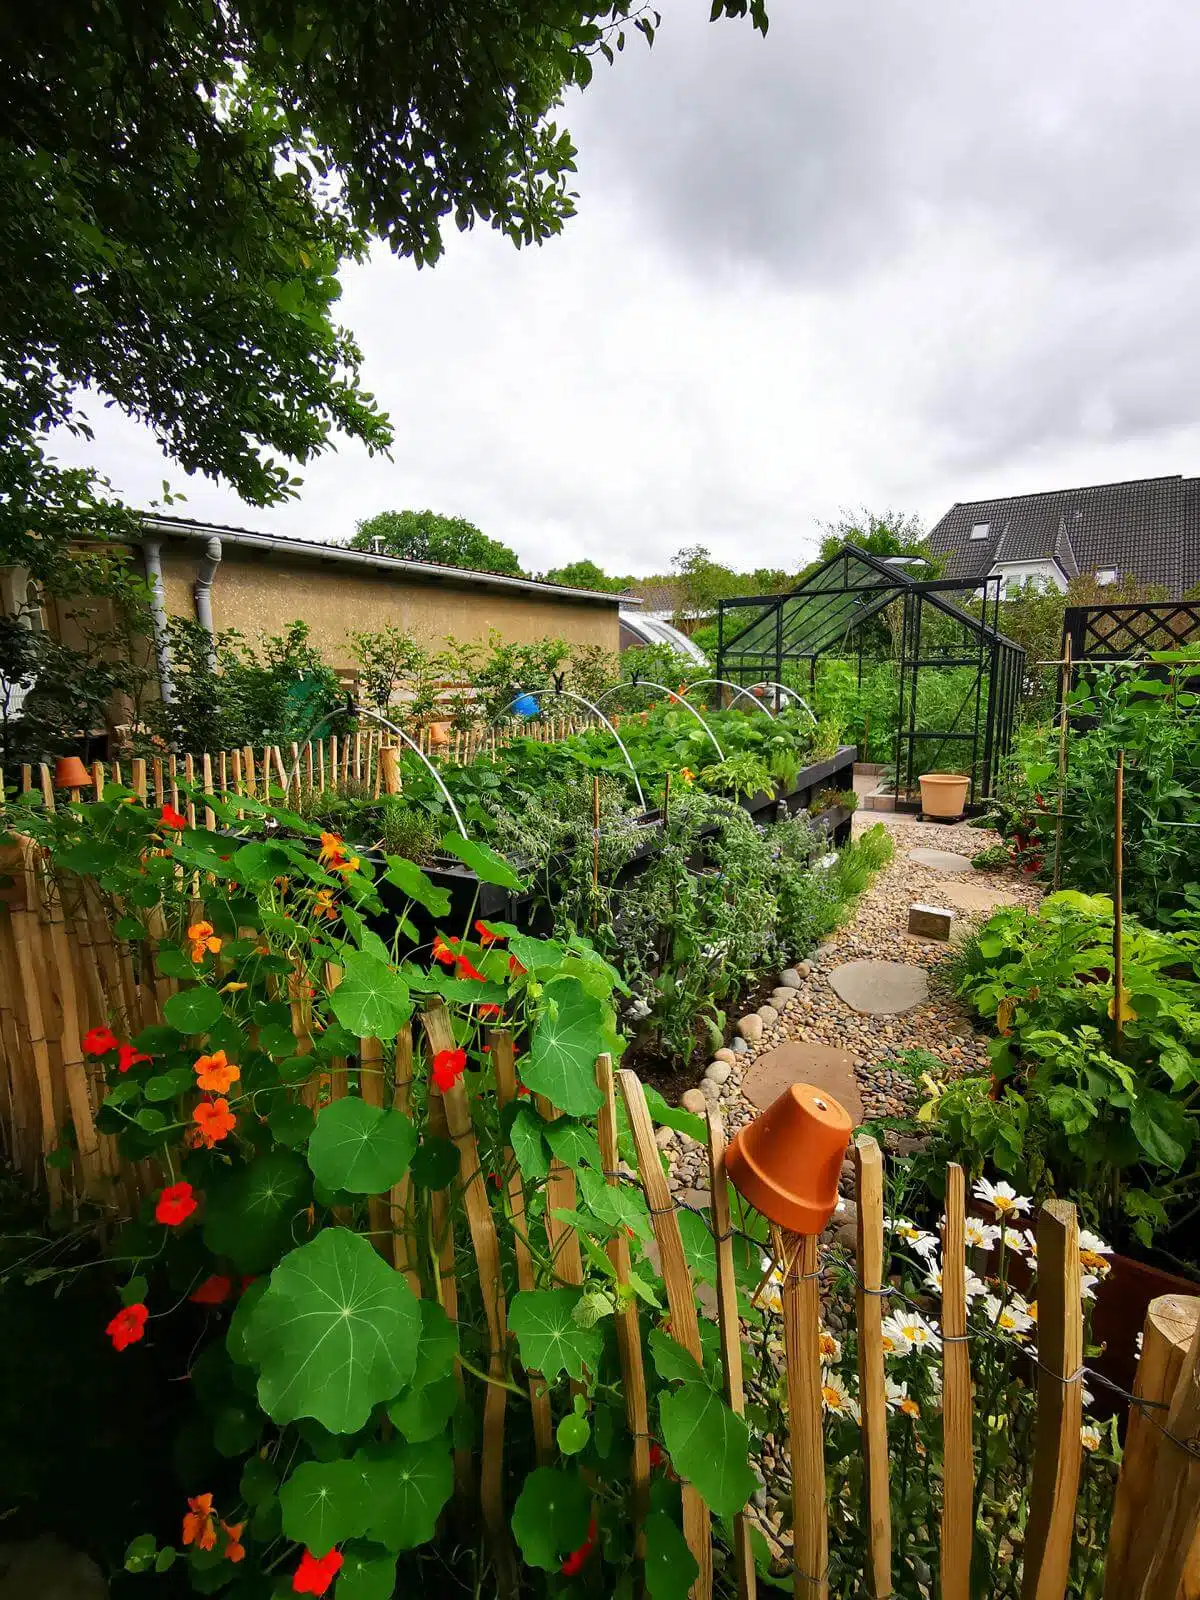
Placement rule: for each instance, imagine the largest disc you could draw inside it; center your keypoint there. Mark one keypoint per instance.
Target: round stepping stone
(978, 896)
(827, 1069)
(940, 860)
(880, 988)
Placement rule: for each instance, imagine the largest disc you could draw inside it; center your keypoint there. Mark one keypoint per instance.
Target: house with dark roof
(1148, 528)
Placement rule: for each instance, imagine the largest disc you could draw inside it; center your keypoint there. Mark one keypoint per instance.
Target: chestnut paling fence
(61, 962)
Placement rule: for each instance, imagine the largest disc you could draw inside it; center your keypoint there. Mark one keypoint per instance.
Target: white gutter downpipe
(202, 590)
(152, 555)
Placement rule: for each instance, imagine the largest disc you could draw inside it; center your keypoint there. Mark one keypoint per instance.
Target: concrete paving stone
(940, 860)
(828, 1069)
(985, 897)
(880, 988)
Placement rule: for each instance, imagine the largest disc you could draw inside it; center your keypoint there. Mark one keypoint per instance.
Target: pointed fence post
(958, 1459)
(872, 1383)
(1160, 1561)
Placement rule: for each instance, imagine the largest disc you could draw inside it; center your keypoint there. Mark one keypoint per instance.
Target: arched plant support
(648, 683)
(568, 694)
(738, 691)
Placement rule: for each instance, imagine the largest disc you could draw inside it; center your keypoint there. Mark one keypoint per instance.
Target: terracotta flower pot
(439, 735)
(70, 773)
(944, 794)
(787, 1162)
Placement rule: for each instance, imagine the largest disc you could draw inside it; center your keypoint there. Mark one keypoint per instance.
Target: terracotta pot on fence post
(787, 1162)
(944, 794)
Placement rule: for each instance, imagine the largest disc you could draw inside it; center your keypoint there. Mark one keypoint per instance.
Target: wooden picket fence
(62, 969)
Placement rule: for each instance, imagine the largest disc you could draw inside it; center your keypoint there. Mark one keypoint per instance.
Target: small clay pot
(787, 1162)
(70, 773)
(439, 735)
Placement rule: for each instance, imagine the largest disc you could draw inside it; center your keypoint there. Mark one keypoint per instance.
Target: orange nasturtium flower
(333, 849)
(235, 1550)
(325, 906)
(200, 1522)
(203, 940)
(213, 1120)
(215, 1074)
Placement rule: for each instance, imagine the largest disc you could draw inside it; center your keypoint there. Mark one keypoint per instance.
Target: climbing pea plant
(298, 1119)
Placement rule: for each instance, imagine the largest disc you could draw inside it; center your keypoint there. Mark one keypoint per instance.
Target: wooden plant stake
(309, 775)
(958, 1461)
(595, 849)
(404, 1250)
(681, 1300)
(629, 1339)
(374, 1093)
(872, 1383)
(1062, 765)
(1057, 1450)
(389, 769)
(565, 1253)
(97, 780)
(730, 1329)
(34, 993)
(435, 1019)
(206, 770)
(1162, 1564)
(505, 1073)
(250, 771)
(1170, 1327)
(1118, 892)
(806, 1440)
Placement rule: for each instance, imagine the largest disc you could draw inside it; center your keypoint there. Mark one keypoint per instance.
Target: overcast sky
(900, 252)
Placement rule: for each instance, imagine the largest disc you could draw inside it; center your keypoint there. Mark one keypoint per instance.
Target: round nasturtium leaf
(291, 1123)
(256, 1213)
(573, 1434)
(709, 1446)
(193, 1010)
(406, 1487)
(548, 1336)
(368, 1572)
(551, 1516)
(371, 1001)
(567, 1037)
(360, 1148)
(671, 1567)
(435, 1163)
(335, 1333)
(423, 1410)
(324, 1503)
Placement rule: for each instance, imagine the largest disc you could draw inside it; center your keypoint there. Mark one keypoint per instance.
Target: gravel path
(876, 931)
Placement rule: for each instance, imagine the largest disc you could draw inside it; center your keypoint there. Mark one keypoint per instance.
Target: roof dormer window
(1106, 575)
(981, 530)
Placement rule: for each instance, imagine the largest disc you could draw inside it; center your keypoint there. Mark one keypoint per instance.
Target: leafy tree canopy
(586, 575)
(886, 533)
(429, 536)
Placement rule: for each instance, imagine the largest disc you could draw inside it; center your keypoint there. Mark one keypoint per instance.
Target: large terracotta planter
(944, 794)
(787, 1162)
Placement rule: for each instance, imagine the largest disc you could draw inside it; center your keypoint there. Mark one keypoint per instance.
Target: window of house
(1106, 575)
(981, 530)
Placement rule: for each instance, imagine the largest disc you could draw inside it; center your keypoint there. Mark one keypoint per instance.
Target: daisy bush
(1002, 1328)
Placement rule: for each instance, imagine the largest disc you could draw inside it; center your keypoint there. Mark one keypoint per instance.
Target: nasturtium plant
(549, 1334)
(359, 1147)
(371, 999)
(708, 1445)
(324, 1503)
(567, 1037)
(551, 1516)
(257, 1212)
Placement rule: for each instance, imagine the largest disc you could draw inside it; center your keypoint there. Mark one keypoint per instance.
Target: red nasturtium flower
(129, 1055)
(578, 1558)
(486, 936)
(235, 1550)
(170, 818)
(175, 1205)
(214, 1120)
(215, 1074)
(514, 966)
(200, 1522)
(448, 1068)
(314, 1576)
(128, 1326)
(657, 1454)
(467, 969)
(214, 1291)
(443, 950)
(98, 1041)
(490, 1011)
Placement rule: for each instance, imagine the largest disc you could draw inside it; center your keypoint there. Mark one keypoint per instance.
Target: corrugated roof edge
(187, 527)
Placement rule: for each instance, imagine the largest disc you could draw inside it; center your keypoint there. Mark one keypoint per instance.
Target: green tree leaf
(193, 1010)
(256, 1213)
(368, 1572)
(483, 861)
(671, 1567)
(551, 1516)
(334, 1335)
(371, 1000)
(407, 1486)
(567, 1037)
(360, 1148)
(549, 1339)
(709, 1446)
(324, 1503)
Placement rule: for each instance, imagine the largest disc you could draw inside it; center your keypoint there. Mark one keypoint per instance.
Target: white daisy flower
(1137, 1345)
(980, 1235)
(1090, 1436)
(1087, 1285)
(1013, 1240)
(895, 1341)
(1092, 1253)
(899, 1399)
(1030, 1239)
(831, 1348)
(837, 1398)
(918, 1334)
(1002, 1197)
(1010, 1316)
(975, 1286)
(923, 1243)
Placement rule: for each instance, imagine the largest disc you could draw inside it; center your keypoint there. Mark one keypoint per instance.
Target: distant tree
(585, 575)
(886, 533)
(429, 536)
(702, 581)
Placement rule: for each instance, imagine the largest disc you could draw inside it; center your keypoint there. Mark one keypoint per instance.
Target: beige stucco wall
(256, 595)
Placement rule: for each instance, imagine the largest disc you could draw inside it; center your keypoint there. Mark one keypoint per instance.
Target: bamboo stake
(374, 1092)
(189, 773)
(251, 774)
(1164, 1544)
(47, 787)
(1118, 888)
(1170, 1327)
(404, 1253)
(1062, 766)
(958, 1468)
(1057, 1451)
(681, 1300)
(504, 1071)
(321, 764)
(308, 767)
(389, 769)
(97, 780)
(435, 1019)
(333, 760)
(210, 816)
(25, 930)
(802, 1354)
(872, 1383)
(560, 1196)
(160, 783)
(223, 771)
(729, 1327)
(75, 1076)
(358, 755)
(345, 761)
